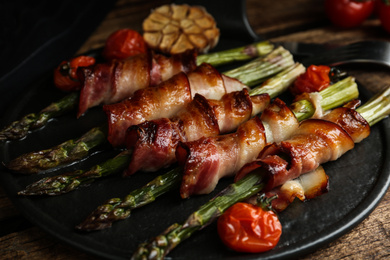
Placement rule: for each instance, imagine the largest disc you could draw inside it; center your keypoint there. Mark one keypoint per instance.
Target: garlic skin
(175, 29)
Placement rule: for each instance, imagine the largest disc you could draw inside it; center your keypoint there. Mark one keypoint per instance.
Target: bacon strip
(166, 99)
(107, 83)
(315, 142)
(305, 187)
(154, 142)
(207, 160)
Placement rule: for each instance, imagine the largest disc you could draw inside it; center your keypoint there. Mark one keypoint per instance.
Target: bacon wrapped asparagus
(207, 160)
(166, 99)
(58, 184)
(120, 208)
(171, 96)
(305, 187)
(256, 180)
(108, 83)
(145, 106)
(104, 82)
(154, 142)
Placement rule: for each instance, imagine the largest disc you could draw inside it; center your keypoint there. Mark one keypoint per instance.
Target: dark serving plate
(358, 180)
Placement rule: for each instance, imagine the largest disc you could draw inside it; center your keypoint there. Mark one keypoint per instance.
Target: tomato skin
(348, 13)
(248, 228)
(315, 79)
(124, 43)
(383, 11)
(65, 75)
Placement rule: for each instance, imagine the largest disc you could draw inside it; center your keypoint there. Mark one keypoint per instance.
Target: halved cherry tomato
(124, 43)
(348, 13)
(249, 228)
(383, 10)
(316, 78)
(65, 75)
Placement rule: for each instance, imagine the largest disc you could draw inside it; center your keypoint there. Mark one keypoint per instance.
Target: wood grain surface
(283, 20)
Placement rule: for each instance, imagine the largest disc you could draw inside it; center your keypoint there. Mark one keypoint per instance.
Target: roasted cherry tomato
(249, 228)
(348, 13)
(316, 78)
(65, 75)
(383, 10)
(124, 43)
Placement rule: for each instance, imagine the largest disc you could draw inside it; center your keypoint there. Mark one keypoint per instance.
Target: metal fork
(377, 52)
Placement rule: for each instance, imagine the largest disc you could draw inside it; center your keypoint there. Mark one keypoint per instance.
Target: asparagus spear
(20, 128)
(237, 54)
(119, 208)
(375, 110)
(66, 182)
(276, 60)
(279, 82)
(66, 152)
(48, 158)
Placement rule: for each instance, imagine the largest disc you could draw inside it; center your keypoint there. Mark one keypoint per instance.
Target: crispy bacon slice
(154, 142)
(315, 142)
(107, 83)
(166, 99)
(305, 187)
(207, 160)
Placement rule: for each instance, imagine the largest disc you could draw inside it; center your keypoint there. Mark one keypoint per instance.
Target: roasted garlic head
(177, 28)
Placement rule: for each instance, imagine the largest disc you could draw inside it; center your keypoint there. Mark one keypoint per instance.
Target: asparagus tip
(51, 186)
(103, 216)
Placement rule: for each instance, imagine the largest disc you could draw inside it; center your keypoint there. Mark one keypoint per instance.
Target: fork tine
(365, 51)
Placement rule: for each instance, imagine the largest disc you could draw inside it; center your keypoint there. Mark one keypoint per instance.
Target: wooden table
(284, 20)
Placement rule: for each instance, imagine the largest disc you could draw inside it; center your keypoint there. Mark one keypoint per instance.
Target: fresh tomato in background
(383, 12)
(124, 43)
(348, 13)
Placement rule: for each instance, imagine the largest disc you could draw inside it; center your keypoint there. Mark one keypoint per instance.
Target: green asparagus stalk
(248, 186)
(118, 208)
(206, 214)
(19, 129)
(274, 62)
(237, 54)
(279, 83)
(66, 152)
(377, 108)
(55, 156)
(67, 182)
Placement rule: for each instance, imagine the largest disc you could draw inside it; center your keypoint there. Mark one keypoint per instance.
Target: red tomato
(383, 10)
(348, 13)
(65, 75)
(316, 78)
(248, 228)
(123, 44)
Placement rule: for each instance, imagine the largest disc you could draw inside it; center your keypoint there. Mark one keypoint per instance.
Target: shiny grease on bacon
(316, 141)
(154, 142)
(166, 99)
(207, 160)
(111, 82)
